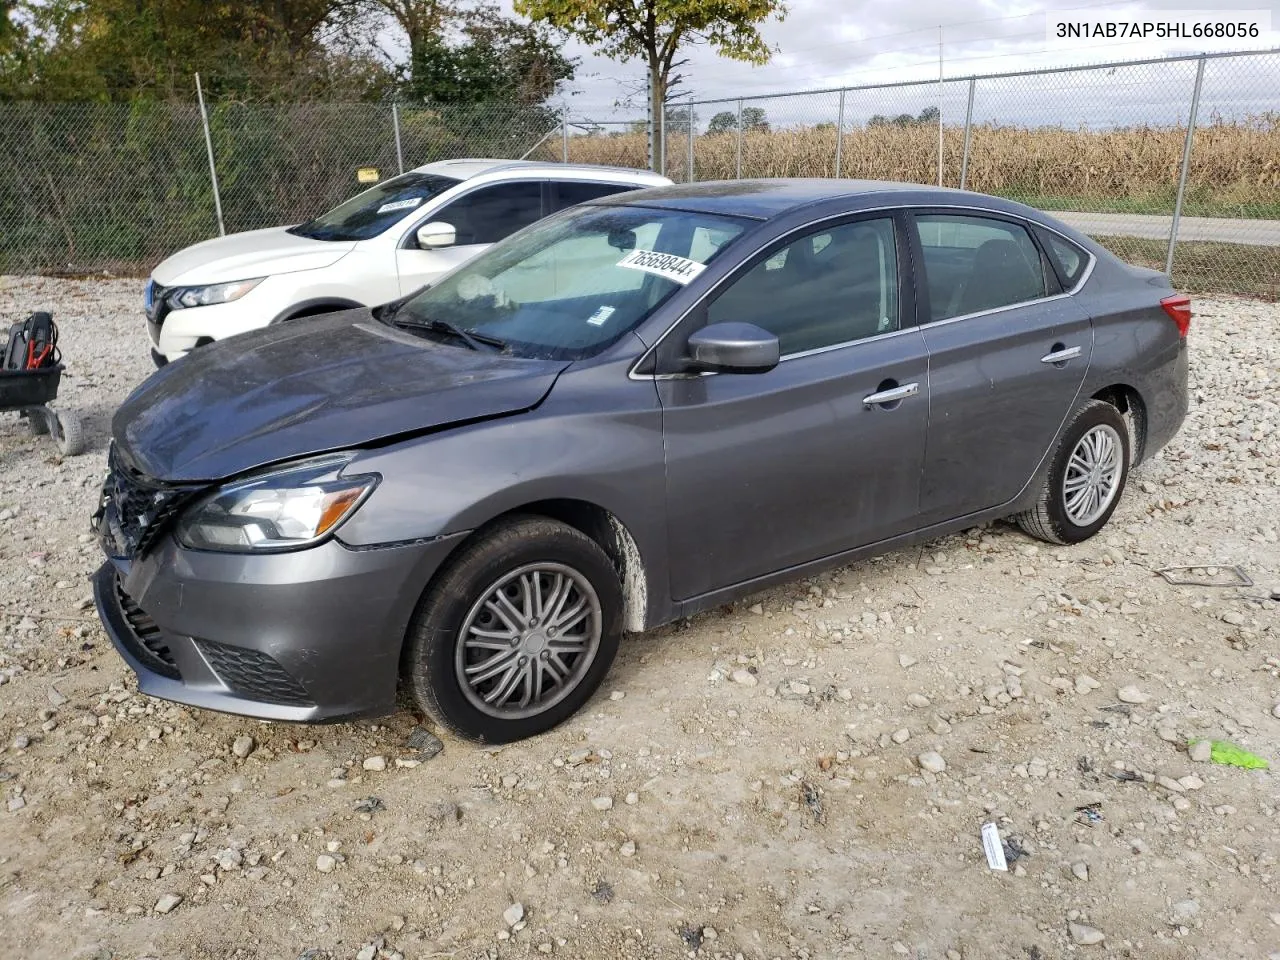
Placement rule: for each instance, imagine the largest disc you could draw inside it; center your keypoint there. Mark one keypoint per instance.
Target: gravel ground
(802, 775)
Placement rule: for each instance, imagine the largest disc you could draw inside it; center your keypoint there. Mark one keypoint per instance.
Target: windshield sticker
(666, 265)
(598, 318)
(395, 205)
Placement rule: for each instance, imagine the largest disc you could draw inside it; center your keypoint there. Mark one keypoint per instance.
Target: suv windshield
(368, 214)
(569, 286)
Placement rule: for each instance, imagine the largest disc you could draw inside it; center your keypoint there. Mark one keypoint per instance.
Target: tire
(513, 557)
(1057, 519)
(36, 424)
(68, 433)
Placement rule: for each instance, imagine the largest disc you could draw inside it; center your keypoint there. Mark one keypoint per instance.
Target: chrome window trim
(933, 324)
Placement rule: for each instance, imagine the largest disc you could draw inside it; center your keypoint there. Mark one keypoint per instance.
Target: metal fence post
(691, 141)
(395, 123)
(1186, 163)
(939, 105)
(737, 159)
(213, 169)
(564, 132)
(839, 132)
(968, 136)
(650, 144)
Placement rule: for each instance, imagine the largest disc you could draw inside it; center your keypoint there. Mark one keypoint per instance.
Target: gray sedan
(633, 411)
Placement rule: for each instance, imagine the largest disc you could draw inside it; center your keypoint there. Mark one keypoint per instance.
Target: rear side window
(569, 193)
(493, 213)
(1067, 258)
(973, 264)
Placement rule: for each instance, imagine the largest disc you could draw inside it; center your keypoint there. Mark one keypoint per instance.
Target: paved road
(1263, 233)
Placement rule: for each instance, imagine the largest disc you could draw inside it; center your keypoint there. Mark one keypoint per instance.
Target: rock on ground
(748, 806)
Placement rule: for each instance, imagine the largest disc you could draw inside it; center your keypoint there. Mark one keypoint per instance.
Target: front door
(479, 218)
(766, 471)
(1007, 357)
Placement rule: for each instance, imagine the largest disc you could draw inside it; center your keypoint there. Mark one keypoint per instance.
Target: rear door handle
(1061, 355)
(893, 395)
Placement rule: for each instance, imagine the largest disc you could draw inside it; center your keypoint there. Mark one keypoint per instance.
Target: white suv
(378, 246)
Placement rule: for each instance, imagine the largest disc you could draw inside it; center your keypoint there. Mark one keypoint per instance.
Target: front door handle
(892, 395)
(1060, 354)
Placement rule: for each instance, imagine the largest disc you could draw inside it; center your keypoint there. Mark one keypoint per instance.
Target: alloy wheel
(528, 641)
(1092, 477)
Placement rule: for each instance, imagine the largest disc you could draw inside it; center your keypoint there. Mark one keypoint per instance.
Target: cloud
(820, 45)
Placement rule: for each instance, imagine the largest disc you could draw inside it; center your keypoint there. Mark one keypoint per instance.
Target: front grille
(145, 639)
(156, 303)
(135, 511)
(253, 674)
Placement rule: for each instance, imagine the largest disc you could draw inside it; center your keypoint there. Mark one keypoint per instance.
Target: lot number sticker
(666, 265)
(400, 205)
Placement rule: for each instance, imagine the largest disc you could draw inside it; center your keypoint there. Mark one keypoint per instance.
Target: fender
(333, 304)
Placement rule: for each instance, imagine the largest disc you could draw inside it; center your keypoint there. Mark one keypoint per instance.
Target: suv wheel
(517, 632)
(1086, 477)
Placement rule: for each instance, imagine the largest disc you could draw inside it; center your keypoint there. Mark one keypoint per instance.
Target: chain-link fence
(1105, 147)
(118, 187)
(1172, 163)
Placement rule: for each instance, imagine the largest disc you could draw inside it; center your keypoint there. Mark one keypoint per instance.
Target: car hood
(244, 256)
(312, 386)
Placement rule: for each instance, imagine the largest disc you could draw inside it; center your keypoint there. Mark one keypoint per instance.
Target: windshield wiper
(476, 341)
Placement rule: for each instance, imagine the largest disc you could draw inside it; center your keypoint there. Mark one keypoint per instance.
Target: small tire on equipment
(429, 666)
(37, 426)
(67, 433)
(1049, 519)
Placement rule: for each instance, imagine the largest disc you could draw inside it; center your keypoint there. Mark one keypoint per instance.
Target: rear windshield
(370, 213)
(567, 287)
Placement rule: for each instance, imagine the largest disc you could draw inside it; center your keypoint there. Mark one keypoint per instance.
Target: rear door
(481, 218)
(1008, 352)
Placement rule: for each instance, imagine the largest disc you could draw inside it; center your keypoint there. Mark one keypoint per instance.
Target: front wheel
(517, 632)
(1086, 477)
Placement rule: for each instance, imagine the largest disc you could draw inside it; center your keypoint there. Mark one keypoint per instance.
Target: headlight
(214, 293)
(282, 510)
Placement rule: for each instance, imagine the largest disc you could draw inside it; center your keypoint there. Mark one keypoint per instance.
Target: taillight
(1178, 307)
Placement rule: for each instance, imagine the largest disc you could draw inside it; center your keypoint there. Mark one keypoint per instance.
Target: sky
(821, 44)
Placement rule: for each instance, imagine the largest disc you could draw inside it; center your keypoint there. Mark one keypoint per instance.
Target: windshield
(368, 214)
(567, 287)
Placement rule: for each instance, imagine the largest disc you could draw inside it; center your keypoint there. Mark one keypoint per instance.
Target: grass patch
(1202, 266)
(1160, 205)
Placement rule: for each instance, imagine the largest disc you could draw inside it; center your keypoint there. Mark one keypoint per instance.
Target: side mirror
(434, 235)
(734, 348)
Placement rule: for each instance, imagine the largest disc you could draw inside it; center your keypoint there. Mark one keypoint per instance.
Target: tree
(655, 31)
(753, 118)
(929, 115)
(129, 49)
(492, 59)
(723, 122)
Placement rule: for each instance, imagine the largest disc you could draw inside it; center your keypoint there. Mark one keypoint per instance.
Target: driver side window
(493, 213)
(832, 286)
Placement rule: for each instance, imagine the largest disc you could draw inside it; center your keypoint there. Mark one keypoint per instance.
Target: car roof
(465, 168)
(766, 199)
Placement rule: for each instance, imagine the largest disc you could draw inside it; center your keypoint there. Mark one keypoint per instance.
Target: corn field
(118, 187)
(1235, 167)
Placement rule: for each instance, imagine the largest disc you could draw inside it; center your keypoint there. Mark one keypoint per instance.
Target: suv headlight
(214, 293)
(282, 510)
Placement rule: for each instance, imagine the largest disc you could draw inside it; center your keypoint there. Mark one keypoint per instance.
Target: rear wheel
(1086, 477)
(517, 633)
